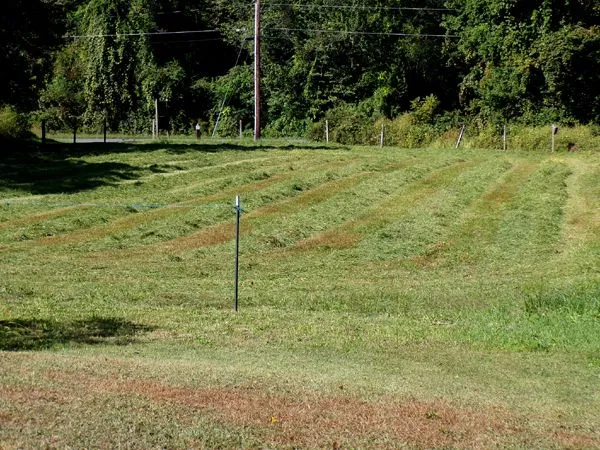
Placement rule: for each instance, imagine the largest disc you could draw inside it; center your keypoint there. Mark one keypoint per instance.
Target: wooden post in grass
(105, 126)
(554, 132)
(382, 137)
(238, 213)
(460, 135)
(241, 129)
(504, 138)
(156, 117)
(327, 131)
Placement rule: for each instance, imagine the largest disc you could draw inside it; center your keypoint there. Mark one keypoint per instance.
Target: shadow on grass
(97, 148)
(53, 168)
(19, 335)
(49, 174)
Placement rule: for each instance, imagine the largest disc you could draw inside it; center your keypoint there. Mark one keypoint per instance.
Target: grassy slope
(388, 298)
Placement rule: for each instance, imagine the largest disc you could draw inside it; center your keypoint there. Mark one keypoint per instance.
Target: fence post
(75, 133)
(241, 129)
(327, 131)
(504, 138)
(105, 128)
(382, 135)
(156, 117)
(460, 136)
(554, 131)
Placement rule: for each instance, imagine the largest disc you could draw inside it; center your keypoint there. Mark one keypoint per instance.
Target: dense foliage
(354, 62)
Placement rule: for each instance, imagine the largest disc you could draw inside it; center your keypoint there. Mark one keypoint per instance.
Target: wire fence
(127, 206)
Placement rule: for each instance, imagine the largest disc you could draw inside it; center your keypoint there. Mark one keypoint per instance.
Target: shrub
(405, 132)
(348, 124)
(13, 125)
(423, 111)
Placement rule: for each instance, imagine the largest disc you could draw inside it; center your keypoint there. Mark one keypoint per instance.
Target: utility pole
(257, 70)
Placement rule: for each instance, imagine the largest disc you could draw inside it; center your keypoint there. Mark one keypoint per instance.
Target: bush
(348, 124)
(540, 138)
(422, 127)
(423, 111)
(13, 125)
(405, 132)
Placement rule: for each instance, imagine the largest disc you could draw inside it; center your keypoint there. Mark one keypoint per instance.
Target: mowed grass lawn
(388, 298)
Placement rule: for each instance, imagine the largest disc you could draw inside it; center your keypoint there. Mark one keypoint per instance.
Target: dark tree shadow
(55, 168)
(19, 335)
(49, 174)
(96, 148)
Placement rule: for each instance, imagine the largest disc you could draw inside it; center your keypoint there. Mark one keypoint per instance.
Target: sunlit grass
(435, 274)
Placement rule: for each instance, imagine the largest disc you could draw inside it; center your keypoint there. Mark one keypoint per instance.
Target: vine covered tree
(118, 76)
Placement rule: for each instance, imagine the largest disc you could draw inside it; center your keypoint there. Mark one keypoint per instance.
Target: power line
(156, 33)
(131, 206)
(366, 33)
(187, 41)
(384, 8)
(166, 13)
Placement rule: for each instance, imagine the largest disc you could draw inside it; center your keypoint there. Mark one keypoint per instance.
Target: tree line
(493, 61)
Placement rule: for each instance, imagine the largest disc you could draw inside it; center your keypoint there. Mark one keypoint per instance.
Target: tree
(119, 66)
(319, 55)
(29, 32)
(62, 101)
(527, 60)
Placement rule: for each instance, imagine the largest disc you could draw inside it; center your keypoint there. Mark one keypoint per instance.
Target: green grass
(465, 282)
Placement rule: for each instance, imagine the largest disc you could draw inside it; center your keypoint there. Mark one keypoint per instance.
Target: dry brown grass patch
(303, 419)
(317, 421)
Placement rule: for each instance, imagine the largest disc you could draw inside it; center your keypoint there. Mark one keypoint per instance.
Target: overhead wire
(364, 33)
(383, 8)
(186, 41)
(130, 206)
(152, 33)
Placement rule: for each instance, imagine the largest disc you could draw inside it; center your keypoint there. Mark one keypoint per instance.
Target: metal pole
(257, 70)
(238, 212)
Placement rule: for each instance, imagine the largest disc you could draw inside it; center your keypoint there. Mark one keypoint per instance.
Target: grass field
(388, 298)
